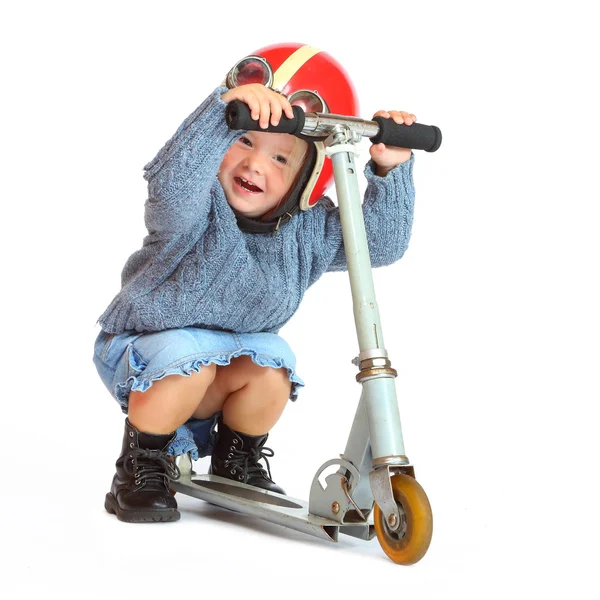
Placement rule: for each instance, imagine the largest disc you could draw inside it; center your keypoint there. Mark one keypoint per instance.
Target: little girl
(236, 234)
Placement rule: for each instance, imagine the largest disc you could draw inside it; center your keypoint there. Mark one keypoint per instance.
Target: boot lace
(248, 461)
(151, 467)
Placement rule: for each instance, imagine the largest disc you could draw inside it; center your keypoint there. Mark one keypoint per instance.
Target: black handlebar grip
(237, 115)
(415, 136)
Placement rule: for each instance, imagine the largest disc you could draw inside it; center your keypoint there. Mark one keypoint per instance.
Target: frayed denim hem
(139, 383)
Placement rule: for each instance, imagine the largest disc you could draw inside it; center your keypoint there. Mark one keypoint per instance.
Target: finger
(265, 112)
(382, 113)
(409, 118)
(397, 116)
(378, 153)
(276, 110)
(253, 105)
(287, 108)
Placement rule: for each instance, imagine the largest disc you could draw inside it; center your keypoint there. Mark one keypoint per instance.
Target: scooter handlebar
(381, 130)
(415, 136)
(238, 116)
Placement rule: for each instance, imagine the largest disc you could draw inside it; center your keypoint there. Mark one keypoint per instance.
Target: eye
(245, 141)
(281, 159)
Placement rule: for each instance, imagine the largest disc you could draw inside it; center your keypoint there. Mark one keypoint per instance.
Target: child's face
(258, 171)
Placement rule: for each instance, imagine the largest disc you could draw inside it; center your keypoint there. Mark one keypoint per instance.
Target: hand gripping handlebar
(320, 125)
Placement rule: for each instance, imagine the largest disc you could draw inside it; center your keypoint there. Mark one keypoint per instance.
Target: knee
(273, 380)
(280, 380)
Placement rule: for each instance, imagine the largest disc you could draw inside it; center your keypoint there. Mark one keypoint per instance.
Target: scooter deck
(270, 506)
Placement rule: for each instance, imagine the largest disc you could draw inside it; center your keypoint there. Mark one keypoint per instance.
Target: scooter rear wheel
(409, 543)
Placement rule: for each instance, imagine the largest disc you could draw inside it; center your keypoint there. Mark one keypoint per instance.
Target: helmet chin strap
(287, 209)
(250, 225)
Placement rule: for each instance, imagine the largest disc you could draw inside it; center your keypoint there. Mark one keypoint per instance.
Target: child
(190, 343)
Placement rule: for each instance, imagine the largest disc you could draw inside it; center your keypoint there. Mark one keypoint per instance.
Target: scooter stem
(376, 374)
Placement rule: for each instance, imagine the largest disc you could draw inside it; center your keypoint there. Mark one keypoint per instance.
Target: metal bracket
(334, 501)
(342, 139)
(381, 486)
(349, 148)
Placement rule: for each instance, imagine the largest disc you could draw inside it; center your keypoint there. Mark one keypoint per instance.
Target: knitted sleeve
(182, 174)
(388, 212)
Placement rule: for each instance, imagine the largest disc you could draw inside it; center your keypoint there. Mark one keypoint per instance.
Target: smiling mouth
(247, 186)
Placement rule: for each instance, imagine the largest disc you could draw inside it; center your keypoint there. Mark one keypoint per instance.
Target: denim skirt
(132, 361)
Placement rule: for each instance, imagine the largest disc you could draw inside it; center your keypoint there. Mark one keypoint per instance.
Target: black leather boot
(236, 457)
(140, 488)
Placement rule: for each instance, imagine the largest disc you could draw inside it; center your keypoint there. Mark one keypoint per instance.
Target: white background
(491, 318)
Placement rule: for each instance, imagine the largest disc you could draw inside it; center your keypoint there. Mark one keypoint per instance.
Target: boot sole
(164, 515)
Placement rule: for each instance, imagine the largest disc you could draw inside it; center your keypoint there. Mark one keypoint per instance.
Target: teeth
(242, 180)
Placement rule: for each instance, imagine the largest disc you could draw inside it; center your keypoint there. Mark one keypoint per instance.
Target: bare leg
(170, 402)
(251, 397)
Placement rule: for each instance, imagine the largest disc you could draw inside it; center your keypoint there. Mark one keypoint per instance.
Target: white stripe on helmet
(291, 65)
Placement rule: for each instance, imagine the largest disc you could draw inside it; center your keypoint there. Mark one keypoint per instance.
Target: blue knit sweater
(196, 268)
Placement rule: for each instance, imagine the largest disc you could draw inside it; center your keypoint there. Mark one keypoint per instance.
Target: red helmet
(310, 78)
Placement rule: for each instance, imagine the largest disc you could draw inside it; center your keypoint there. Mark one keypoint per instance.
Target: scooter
(374, 492)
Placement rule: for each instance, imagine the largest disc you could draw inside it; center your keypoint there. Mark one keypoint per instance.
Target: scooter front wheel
(410, 541)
